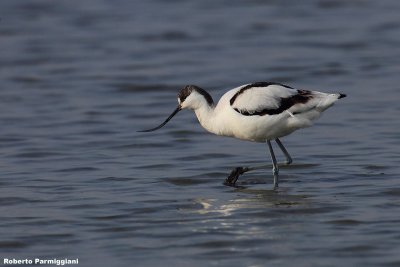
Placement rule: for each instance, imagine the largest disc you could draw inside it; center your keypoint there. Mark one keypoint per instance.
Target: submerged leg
(287, 156)
(234, 175)
(236, 172)
(275, 169)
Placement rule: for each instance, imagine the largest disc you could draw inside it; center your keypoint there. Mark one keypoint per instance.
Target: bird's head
(193, 97)
(190, 97)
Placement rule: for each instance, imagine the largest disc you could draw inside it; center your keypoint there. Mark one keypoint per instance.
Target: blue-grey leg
(275, 169)
(236, 172)
(287, 156)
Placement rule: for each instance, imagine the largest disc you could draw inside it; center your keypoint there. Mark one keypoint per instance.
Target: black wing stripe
(257, 84)
(302, 96)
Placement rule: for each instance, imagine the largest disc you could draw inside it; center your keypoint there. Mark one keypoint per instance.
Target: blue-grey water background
(79, 78)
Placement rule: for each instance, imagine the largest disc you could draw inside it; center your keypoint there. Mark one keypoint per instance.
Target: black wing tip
(342, 95)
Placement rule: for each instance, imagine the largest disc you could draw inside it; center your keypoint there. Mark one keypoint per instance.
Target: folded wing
(267, 98)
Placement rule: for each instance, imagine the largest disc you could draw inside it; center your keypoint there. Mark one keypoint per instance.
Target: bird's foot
(234, 176)
(275, 172)
(276, 187)
(288, 161)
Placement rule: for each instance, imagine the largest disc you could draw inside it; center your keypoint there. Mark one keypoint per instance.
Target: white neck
(206, 117)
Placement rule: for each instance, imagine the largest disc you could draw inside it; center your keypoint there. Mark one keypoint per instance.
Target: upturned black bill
(165, 122)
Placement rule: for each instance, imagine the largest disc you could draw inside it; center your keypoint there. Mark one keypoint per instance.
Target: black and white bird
(258, 112)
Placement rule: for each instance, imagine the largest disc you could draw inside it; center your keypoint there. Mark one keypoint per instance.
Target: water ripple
(78, 181)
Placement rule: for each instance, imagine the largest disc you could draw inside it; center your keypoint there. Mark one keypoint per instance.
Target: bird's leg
(232, 178)
(287, 156)
(234, 175)
(275, 169)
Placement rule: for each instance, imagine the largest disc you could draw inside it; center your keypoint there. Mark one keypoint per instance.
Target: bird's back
(264, 111)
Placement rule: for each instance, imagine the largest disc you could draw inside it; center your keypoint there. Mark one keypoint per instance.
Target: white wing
(266, 98)
(263, 98)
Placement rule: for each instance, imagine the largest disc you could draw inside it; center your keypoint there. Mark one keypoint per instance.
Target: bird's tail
(327, 100)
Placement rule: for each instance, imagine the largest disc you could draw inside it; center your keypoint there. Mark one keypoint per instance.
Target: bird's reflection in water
(246, 213)
(248, 199)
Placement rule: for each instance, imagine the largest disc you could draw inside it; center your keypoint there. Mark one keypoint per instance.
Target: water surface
(77, 181)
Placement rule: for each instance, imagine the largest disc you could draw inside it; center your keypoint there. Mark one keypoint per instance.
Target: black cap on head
(185, 92)
(188, 89)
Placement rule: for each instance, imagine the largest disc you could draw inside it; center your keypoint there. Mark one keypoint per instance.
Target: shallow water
(77, 181)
